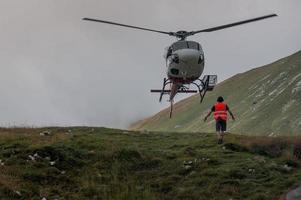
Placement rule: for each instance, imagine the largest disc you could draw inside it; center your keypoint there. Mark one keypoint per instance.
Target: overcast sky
(56, 69)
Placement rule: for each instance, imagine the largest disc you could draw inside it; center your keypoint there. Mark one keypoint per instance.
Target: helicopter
(185, 60)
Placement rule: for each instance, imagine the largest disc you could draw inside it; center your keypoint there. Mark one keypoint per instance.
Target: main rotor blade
(129, 26)
(233, 24)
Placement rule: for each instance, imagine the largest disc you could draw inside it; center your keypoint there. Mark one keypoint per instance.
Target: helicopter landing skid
(207, 84)
(163, 91)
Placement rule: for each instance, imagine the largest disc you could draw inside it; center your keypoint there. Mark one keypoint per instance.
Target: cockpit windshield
(185, 45)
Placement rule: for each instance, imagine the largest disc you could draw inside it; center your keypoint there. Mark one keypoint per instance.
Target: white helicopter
(185, 61)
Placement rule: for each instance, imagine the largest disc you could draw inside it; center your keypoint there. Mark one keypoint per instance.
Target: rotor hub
(182, 34)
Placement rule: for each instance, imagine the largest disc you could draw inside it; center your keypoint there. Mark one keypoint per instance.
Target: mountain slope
(265, 101)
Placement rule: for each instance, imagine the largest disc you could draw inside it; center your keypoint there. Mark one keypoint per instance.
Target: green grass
(99, 163)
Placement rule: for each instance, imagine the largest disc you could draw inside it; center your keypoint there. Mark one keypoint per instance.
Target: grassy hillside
(265, 100)
(99, 163)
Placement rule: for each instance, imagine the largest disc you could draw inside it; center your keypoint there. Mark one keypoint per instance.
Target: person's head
(220, 99)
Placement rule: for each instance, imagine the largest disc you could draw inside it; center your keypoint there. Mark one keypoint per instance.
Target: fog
(57, 70)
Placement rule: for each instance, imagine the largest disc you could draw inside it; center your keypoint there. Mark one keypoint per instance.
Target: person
(220, 110)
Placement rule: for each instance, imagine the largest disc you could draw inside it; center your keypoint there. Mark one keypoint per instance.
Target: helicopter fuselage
(184, 61)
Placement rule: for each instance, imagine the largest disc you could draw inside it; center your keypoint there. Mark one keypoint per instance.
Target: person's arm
(231, 114)
(205, 119)
(212, 110)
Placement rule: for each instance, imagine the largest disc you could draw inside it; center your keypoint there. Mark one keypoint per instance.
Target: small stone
(63, 172)
(31, 158)
(287, 168)
(18, 193)
(187, 166)
(251, 170)
(44, 198)
(44, 133)
(52, 163)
